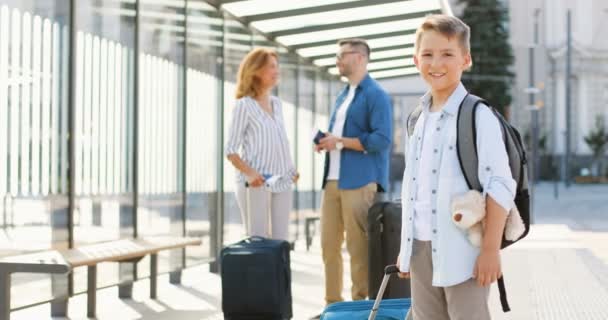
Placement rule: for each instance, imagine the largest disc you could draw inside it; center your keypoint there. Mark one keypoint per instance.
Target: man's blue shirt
(369, 118)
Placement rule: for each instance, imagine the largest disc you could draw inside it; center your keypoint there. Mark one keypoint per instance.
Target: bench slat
(41, 262)
(125, 249)
(167, 243)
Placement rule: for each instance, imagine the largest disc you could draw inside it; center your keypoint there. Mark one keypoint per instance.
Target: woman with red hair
(258, 148)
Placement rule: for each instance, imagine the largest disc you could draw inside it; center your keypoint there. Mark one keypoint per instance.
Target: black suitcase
(384, 238)
(256, 280)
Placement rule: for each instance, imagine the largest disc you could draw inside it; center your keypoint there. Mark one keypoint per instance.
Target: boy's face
(441, 61)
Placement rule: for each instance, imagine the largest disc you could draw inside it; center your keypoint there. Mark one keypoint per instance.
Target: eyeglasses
(340, 56)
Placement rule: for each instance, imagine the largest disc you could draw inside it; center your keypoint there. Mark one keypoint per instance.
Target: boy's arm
(495, 175)
(488, 269)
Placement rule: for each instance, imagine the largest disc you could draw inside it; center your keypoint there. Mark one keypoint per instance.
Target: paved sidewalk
(559, 272)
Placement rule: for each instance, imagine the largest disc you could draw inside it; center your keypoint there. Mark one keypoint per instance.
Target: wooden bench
(125, 250)
(51, 262)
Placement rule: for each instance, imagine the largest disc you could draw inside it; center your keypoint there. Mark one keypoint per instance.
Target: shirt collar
(363, 83)
(452, 104)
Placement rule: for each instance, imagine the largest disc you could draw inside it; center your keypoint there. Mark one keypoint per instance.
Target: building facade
(589, 74)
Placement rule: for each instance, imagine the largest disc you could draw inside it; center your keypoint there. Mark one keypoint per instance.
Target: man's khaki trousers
(345, 211)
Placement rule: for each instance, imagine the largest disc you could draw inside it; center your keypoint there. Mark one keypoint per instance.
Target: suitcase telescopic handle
(253, 238)
(388, 271)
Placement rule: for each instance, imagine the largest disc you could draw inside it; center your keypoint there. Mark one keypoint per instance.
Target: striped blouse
(260, 139)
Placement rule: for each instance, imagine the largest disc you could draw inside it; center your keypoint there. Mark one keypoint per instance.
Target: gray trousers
(464, 301)
(265, 213)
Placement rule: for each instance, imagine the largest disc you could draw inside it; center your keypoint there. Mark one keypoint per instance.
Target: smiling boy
(450, 277)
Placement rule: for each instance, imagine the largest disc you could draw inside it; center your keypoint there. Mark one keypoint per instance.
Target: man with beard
(357, 147)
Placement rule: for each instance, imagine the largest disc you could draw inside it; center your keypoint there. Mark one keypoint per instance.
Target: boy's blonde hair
(448, 26)
(248, 83)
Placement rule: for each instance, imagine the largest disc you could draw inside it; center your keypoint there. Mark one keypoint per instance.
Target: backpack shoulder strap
(412, 119)
(503, 295)
(466, 142)
(515, 151)
(466, 146)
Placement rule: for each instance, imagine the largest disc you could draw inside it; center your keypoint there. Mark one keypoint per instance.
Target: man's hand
(487, 268)
(296, 177)
(328, 142)
(402, 275)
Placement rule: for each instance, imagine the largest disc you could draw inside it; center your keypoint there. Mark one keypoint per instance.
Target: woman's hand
(254, 179)
(296, 177)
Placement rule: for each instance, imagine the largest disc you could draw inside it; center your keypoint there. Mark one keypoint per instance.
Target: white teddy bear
(469, 211)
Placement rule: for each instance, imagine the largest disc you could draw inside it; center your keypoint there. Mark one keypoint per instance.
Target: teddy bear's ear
(457, 216)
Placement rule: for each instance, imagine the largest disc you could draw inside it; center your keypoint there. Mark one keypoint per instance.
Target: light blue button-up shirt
(453, 255)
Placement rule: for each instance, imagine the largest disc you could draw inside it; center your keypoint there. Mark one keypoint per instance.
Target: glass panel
(161, 137)
(394, 72)
(104, 122)
(287, 92)
(346, 15)
(405, 53)
(238, 44)
(203, 107)
(357, 31)
(33, 136)
(374, 44)
(246, 8)
(397, 63)
(305, 123)
(261, 41)
(324, 100)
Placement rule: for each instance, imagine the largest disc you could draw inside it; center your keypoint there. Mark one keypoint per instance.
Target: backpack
(466, 147)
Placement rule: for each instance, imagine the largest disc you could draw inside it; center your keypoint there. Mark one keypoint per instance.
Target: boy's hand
(402, 275)
(487, 268)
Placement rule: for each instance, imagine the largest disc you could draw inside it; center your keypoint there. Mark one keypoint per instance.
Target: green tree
(490, 77)
(597, 140)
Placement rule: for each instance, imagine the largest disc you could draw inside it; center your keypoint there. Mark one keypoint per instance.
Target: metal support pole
(125, 288)
(58, 308)
(175, 277)
(533, 108)
(5, 295)
(184, 123)
(136, 122)
(217, 220)
(91, 290)
(60, 290)
(296, 157)
(153, 274)
(555, 161)
(568, 97)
